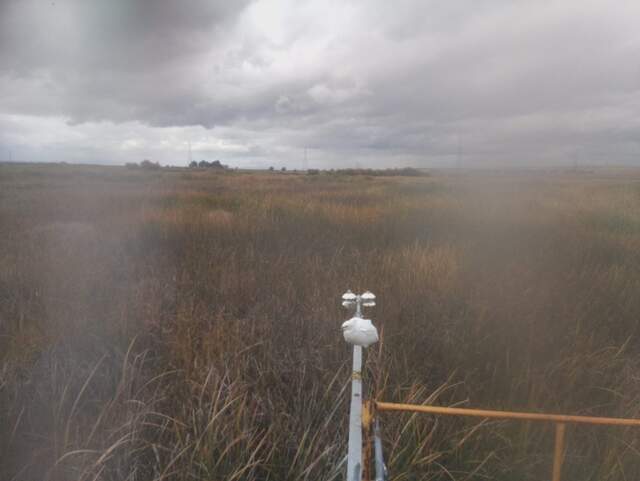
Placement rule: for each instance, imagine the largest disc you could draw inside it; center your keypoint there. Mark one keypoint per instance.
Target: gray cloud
(380, 83)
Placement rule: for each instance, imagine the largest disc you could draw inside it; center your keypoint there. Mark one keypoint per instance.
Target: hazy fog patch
(62, 233)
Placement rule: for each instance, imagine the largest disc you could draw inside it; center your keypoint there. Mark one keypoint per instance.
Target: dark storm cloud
(418, 82)
(117, 35)
(115, 60)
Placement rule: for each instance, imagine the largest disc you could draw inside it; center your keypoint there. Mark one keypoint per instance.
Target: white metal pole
(354, 454)
(359, 332)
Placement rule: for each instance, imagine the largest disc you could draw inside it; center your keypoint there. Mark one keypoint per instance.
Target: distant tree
(147, 164)
(216, 164)
(284, 169)
(193, 164)
(271, 168)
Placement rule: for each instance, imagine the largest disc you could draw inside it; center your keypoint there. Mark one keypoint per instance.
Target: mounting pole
(361, 333)
(354, 453)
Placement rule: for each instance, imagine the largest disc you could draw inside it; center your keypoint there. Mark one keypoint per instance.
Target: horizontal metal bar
(484, 413)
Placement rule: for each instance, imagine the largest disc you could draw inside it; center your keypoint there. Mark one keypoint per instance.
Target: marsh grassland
(184, 325)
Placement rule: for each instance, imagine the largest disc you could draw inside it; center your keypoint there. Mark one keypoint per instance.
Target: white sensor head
(349, 296)
(359, 332)
(368, 299)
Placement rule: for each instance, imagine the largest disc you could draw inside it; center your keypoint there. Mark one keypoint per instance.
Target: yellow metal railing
(560, 420)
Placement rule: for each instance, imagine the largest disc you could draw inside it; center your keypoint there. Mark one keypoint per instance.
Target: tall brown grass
(177, 325)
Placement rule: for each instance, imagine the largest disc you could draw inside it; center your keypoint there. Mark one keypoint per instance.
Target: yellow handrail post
(558, 456)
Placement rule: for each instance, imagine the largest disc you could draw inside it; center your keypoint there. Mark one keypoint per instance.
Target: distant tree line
(203, 164)
(145, 164)
(402, 172)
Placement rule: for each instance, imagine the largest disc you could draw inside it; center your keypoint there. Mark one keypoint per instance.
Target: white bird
(360, 332)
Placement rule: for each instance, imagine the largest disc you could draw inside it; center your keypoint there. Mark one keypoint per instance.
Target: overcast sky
(368, 83)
